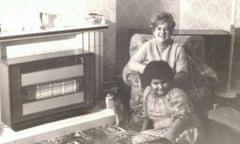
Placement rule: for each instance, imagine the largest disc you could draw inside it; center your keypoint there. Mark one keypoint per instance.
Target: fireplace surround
(50, 86)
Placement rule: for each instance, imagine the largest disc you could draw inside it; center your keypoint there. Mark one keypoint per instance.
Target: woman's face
(162, 32)
(160, 87)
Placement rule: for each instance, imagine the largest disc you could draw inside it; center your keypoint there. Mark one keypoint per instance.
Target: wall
(136, 14)
(238, 14)
(205, 14)
(26, 14)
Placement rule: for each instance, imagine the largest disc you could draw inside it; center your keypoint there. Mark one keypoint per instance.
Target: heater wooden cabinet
(47, 87)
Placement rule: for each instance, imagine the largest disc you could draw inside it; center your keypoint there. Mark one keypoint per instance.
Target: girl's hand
(160, 141)
(169, 135)
(165, 141)
(173, 132)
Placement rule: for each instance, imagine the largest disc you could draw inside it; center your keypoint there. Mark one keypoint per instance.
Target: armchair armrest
(202, 74)
(206, 70)
(130, 77)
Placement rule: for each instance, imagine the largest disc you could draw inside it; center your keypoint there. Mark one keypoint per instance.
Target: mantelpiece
(65, 30)
(88, 38)
(77, 50)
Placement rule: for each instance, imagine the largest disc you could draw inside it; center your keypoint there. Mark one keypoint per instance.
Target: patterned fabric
(166, 109)
(154, 136)
(201, 75)
(173, 54)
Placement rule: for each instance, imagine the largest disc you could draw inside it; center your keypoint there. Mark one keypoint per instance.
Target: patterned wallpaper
(238, 14)
(108, 9)
(205, 14)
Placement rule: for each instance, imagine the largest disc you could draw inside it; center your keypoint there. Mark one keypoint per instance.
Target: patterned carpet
(101, 135)
(121, 134)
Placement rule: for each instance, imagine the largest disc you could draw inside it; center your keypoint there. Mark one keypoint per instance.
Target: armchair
(202, 78)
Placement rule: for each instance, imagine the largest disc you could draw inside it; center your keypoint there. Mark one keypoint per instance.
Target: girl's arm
(178, 126)
(147, 122)
(180, 108)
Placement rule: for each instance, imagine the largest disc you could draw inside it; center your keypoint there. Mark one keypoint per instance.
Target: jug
(48, 19)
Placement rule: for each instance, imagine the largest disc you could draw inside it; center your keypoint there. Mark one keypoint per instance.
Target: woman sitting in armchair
(162, 47)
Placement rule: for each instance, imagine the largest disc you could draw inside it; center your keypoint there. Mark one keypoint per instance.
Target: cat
(114, 101)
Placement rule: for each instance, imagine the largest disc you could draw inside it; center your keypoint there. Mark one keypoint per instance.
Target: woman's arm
(136, 66)
(136, 62)
(181, 66)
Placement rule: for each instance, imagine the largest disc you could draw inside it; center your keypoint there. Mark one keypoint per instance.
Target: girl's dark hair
(157, 70)
(162, 17)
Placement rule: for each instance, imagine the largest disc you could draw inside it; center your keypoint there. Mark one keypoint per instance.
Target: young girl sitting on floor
(165, 109)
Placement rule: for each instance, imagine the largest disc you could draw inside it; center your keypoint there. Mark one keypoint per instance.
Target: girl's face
(160, 87)
(162, 32)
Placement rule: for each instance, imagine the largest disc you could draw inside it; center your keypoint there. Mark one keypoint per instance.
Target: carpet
(100, 135)
(121, 134)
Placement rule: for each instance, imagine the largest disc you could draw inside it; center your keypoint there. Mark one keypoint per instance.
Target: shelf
(205, 32)
(65, 30)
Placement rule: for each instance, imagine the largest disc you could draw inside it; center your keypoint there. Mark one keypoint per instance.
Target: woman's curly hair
(162, 17)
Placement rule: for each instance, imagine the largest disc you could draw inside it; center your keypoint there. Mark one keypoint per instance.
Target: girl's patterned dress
(163, 111)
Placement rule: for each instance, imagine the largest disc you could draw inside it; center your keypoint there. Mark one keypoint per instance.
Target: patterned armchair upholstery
(201, 75)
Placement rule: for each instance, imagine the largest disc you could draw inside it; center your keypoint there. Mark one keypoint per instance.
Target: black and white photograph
(119, 71)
